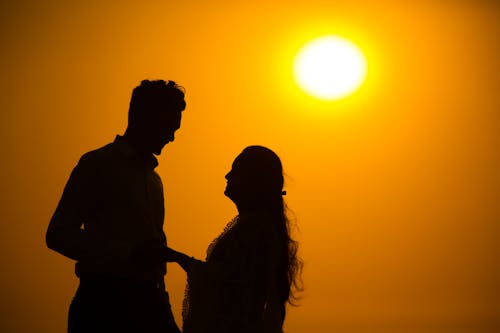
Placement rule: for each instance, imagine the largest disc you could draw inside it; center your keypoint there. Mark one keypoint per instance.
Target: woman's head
(256, 177)
(255, 182)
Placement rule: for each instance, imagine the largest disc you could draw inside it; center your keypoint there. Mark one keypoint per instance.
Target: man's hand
(172, 256)
(185, 261)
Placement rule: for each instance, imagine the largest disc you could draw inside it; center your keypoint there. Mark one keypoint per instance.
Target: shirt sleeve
(65, 233)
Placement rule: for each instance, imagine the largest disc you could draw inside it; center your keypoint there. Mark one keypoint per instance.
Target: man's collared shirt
(113, 200)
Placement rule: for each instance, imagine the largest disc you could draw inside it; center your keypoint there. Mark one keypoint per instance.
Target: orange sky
(395, 189)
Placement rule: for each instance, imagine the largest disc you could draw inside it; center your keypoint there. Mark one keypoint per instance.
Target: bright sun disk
(330, 68)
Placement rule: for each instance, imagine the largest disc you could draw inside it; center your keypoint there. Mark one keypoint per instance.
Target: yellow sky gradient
(395, 189)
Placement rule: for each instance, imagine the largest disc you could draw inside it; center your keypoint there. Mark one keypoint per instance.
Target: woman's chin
(228, 193)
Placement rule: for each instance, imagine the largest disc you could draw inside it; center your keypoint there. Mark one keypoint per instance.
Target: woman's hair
(267, 173)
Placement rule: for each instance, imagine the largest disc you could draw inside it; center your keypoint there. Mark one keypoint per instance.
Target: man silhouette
(110, 220)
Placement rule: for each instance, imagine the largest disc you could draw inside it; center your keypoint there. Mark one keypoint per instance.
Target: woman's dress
(235, 290)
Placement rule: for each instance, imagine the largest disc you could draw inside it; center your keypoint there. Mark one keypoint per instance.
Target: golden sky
(395, 189)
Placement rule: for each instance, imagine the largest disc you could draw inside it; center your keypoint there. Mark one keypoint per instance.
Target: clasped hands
(147, 254)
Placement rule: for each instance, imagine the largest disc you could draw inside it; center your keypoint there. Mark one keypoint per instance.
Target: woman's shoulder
(257, 227)
(255, 222)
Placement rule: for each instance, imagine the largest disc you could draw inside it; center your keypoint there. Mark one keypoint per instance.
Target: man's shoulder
(99, 156)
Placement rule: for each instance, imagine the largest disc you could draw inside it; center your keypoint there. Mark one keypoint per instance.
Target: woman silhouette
(251, 270)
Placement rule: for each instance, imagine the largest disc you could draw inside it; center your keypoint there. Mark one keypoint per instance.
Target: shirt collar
(130, 151)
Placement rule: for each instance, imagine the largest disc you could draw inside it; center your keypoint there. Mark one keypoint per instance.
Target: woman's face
(237, 179)
(255, 174)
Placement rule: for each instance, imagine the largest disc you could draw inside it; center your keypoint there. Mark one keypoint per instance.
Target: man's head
(155, 113)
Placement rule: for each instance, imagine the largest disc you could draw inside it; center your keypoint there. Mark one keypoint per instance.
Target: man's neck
(137, 142)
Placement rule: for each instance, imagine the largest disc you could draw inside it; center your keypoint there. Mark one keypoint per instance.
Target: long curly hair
(265, 173)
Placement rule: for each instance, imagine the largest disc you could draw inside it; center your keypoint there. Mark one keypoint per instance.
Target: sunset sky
(395, 189)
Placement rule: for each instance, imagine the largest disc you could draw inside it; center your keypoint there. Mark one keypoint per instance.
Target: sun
(330, 67)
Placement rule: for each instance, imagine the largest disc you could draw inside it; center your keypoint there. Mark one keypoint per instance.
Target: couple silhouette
(110, 221)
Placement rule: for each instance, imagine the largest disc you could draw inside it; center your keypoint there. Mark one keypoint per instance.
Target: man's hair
(156, 96)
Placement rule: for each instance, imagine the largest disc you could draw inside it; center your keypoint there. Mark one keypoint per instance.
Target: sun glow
(330, 68)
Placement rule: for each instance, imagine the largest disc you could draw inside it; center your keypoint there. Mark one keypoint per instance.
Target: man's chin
(157, 150)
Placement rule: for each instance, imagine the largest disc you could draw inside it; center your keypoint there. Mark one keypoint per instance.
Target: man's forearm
(66, 241)
(77, 244)
(180, 258)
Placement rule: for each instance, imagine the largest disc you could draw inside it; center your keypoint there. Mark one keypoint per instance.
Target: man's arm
(65, 233)
(186, 262)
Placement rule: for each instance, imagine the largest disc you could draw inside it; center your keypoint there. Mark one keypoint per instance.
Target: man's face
(162, 128)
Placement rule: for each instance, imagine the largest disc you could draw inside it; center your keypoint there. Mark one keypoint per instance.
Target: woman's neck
(251, 206)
